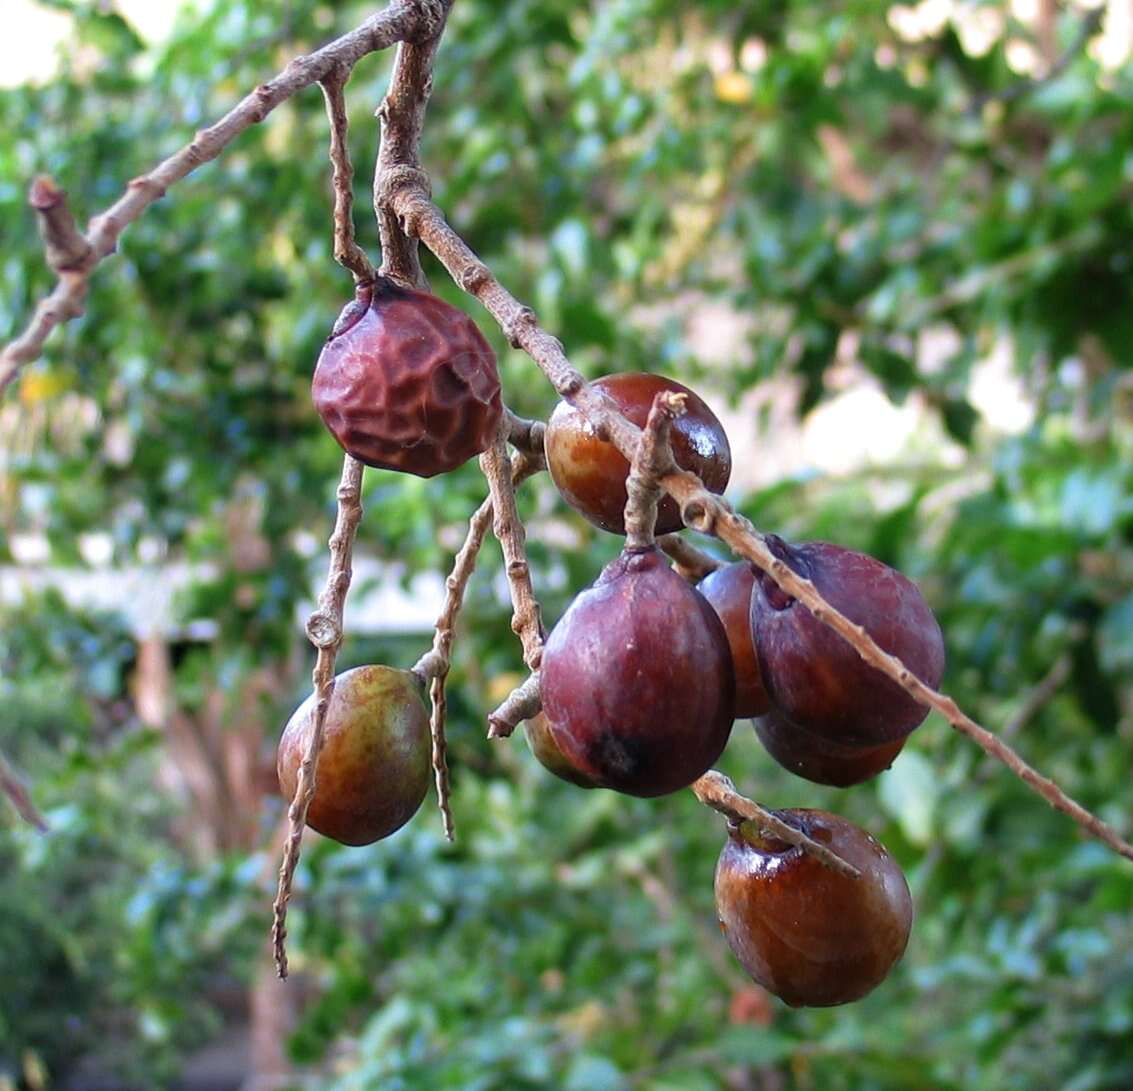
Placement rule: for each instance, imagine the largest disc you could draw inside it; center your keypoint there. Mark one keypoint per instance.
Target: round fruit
(820, 760)
(813, 676)
(728, 590)
(542, 744)
(407, 382)
(591, 473)
(637, 681)
(805, 932)
(374, 769)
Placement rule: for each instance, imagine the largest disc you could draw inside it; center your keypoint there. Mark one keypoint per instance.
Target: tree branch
(402, 114)
(527, 621)
(701, 509)
(324, 627)
(347, 252)
(402, 20)
(434, 664)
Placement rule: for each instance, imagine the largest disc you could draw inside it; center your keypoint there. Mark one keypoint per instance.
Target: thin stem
(691, 563)
(434, 664)
(439, 702)
(523, 703)
(652, 457)
(718, 792)
(527, 621)
(347, 252)
(402, 114)
(324, 627)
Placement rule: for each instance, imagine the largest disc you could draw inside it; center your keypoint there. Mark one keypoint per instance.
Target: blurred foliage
(847, 189)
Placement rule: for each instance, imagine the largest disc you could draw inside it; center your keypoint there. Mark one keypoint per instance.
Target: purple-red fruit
(728, 590)
(813, 676)
(637, 680)
(374, 769)
(591, 473)
(407, 382)
(807, 933)
(542, 744)
(820, 760)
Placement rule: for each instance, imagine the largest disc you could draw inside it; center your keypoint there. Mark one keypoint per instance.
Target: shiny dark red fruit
(728, 590)
(542, 744)
(591, 473)
(807, 933)
(821, 760)
(374, 768)
(813, 676)
(637, 680)
(407, 382)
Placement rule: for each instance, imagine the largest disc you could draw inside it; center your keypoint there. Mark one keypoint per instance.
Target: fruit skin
(728, 590)
(820, 760)
(374, 769)
(813, 937)
(813, 676)
(637, 680)
(591, 473)
(407, 382)
(542, 744)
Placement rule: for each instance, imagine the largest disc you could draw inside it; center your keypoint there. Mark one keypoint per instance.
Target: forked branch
(402, 20)
(324, 627)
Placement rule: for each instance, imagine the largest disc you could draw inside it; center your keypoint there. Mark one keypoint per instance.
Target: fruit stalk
(347, 252)
(434, 664)
(691, 563)
(718, 792)
(526, 621)
(652, 457)
(324, 628)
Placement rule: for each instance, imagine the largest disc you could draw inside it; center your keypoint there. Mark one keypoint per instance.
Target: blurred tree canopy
(860, 184)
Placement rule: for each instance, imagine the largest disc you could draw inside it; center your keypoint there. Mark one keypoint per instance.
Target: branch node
(523, 319)
(521, 704)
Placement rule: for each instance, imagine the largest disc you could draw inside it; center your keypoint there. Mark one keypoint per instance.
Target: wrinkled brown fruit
(820, 760)
(542, 744)
(637, 680)
(728, 590)
(407, 382)
(374, 769)
(813, 937)
(813, 676)
(591, 473)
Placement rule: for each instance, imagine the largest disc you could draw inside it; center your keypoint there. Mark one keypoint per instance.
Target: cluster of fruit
(644, 675)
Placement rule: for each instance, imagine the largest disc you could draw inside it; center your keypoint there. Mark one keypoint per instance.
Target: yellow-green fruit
(374, 769)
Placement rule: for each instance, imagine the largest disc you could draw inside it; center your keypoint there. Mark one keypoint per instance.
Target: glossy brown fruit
(375, 768)
(728, 590)
(591, 473)
(813, 676)
(637, 681)
(820, 760)
(811, 936)
(542, 744)
(407, 382)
